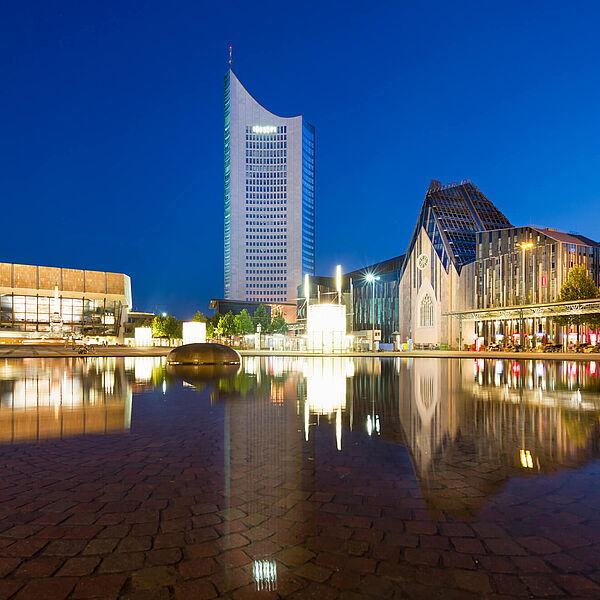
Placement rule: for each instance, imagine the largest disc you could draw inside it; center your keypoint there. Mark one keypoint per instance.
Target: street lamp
(372, 279)
(524, 246)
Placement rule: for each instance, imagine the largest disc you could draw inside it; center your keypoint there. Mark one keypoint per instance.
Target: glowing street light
(371, 278)
(524, 246)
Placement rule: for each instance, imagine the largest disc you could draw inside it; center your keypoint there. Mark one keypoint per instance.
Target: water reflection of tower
(264, 474)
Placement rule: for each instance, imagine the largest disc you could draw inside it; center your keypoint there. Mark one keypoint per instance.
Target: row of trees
(229, 324)
(578, 286)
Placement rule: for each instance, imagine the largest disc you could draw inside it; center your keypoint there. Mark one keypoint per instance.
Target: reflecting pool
(300, 477)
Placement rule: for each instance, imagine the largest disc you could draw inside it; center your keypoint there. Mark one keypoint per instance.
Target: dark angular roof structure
(452, 214)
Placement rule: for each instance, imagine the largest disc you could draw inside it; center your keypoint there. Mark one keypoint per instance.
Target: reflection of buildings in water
(326, 392)
(58, 398)
(144, 373)
(427, 413)
(468, 437)
(264, 471)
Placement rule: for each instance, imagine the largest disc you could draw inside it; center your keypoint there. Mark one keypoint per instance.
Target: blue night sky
(111, 141)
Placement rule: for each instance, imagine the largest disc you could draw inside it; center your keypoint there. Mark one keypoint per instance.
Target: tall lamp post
(524, 246)
(372, 279)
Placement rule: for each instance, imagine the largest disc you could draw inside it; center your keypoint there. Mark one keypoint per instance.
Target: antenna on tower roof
(230, 57)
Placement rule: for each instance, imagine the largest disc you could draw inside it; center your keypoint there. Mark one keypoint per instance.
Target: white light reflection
(264, 573)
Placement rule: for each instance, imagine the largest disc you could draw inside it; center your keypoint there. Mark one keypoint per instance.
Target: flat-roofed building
(40, 302)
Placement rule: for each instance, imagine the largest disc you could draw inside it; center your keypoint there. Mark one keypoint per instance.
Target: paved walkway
(199, 499)
(56, 351)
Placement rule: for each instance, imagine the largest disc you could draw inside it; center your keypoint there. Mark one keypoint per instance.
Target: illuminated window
(426, 312)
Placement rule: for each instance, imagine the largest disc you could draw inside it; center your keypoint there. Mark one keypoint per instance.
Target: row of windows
(267, 196)
(266, 285)
(265, 279)
(251, 129)
(267, 188)
(266, 154)
(265, 165)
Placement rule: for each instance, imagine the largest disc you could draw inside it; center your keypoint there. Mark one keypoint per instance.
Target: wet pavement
(299, 478)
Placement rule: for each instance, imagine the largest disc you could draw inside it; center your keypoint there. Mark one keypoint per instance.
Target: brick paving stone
(55, 588)
(115, 531)
(288, 583)
(424, 527)
(313, 591)
(438, 576)
(564, 562)
(198, 567)
(361, 564)
(152, 577)
(23, 548)
(42, 566)
(9, 587)
(455, 560)
(510, 585)
(143, 529)
(64, 547)
(201, 550)
(21, 531)
(135, 544)
(197, 536)
(233, 558)
(505, 546)
(313, 572)
(164, 556)
(230, 579)
(540, 585)
(295, 556)
(79, 566)
(99, 586)
(345, 579)
(538, 545)
(7, 565)
(100, 546)
(208, 519)
(231, 513)
(436, 542)
(122, 562)
(472, 581)
(195, 590)
(468, 545)
(249, 592)
(577, 585)
(456, 530)
(530, 564)
(235, 540)
(420, 556)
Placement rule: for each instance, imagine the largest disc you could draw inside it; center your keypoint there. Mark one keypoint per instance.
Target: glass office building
(269, 220)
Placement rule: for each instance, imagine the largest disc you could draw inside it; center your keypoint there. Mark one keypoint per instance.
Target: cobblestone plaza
(300, 478)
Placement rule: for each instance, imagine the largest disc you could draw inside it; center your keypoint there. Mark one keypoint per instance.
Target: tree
(211, 325)
(166, 327)
(200, 318)
(226, 326)
(261, 318)
(278, 324)
(243, 323)
(578, 286)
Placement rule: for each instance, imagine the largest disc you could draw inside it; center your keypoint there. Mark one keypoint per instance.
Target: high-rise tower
(269, 199)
